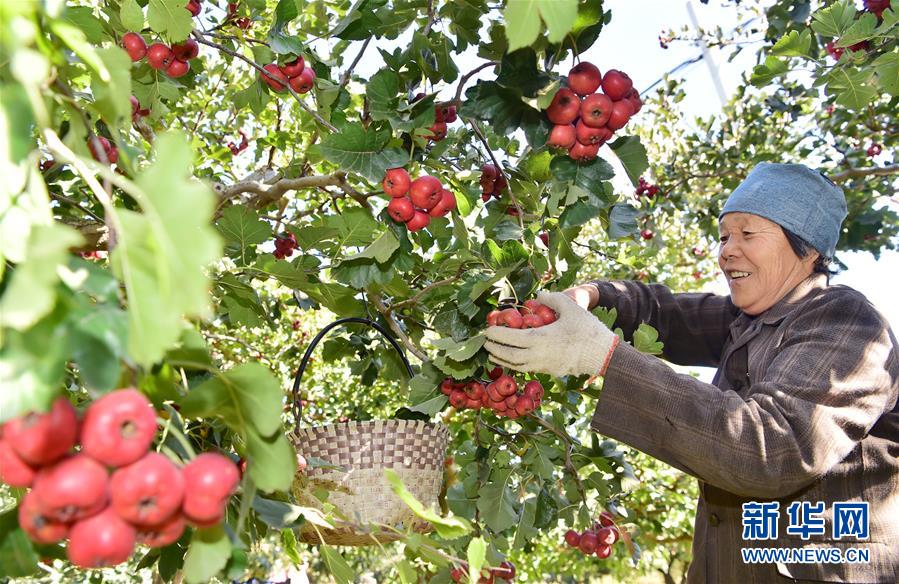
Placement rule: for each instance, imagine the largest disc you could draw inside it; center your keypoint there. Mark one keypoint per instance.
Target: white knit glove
(575, 344)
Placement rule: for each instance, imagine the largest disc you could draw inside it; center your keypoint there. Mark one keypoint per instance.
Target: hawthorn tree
(192, 190)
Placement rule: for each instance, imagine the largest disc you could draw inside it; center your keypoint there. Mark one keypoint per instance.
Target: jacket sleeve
(693, 327)
(836, 373)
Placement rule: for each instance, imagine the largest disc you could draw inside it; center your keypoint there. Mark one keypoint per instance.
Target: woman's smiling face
(758, 262)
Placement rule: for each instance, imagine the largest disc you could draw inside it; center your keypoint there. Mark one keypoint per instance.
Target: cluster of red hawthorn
(414, 202)
(113, 492)
(238, 148)
(581, 126)
(173, 60)
(531, 315)
(504, 573)
(493, 182)
(646, 188)
(598, 540)
(296, 74)
(501, 394)
(443, 114)
(285, 245)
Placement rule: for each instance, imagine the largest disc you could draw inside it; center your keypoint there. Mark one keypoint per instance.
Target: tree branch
(418, 295)
(861, 172)
(345, 78)
(457, 100)
(395, 327)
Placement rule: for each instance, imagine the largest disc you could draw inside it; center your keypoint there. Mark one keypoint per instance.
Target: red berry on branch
(280, 79)
(584, 78)
(42, 438)
(616, 84)
(159, 56)
(134, 45)
(187, 50)
(118, 428)
(564, 108)
(294, 68)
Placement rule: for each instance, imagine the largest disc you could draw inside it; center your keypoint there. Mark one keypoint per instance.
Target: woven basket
(359, 453)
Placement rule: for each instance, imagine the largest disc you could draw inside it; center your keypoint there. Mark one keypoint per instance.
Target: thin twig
(457, 100)
(395, 327)
(425, 290)
(345, 78)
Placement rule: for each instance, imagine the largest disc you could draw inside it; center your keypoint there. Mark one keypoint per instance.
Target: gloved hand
(575, 344)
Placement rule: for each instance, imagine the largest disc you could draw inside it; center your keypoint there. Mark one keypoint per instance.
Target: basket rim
(437, 425)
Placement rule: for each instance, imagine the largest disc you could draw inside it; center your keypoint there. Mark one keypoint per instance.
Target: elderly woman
(801, 419)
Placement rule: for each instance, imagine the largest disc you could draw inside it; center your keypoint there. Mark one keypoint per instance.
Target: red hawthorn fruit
(534, 390)
(457, 399)
(425, 192)
(177, 68)
(633, 96)
(531, 321)
(878, 7)
(187, 50)
(280, 79)
(438, 131)
(209, 481)
(562, 136)
(621, 114)
(589, 136)
(446, 204)
(294, 68)
(396, 182)
(506, 384)
(616, 84)
(603, 551)
(419, 221)
(400, 209)
(500, 185)
(873, 150)
(167, 533)
(446, 387)
(134, 45)
(193, 7)
(148, 491)
(493, 319)
(159, 56)
(511, 318)
(100, 541)
(583, 151)
(118, 428)
(303, 82)
(588, 542)
(596, 110)
(109, 149)
(135, 106)
(546, 314)
(495, 373)
(243, 23)
(42, 438)
(489, 171)
(607, 535)
(544, 237)
(72, 489)
(584, 78)
(506, 571)
(14, 471)
(647, 234)
(572, 538)
(485, 197)
(449, 114)
(524, 406)
(606, 519)
(530, 306)
(35, 524)
(564, 108)
(475, 390)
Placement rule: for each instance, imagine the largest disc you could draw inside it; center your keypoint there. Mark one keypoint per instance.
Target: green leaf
(286, 272)
(83, 18)
(770, 70)
(272, 461)
(383, 91)
(280, 515)
(356, 149)
(861, 30)
(519, 70)
(495, 502)
(623, 221)
(162, 254)
(17, 555)
(242, 225)
(75, 39)
(112, 98)
(477, 555)
(170, 18)
(449, 527)
(31, 292)
(793, 44)
(407, 572)
(504, 108)
(380, 249)
(131, 15)
(522, 18)
(207, 555)
(632, 154)
(852, 87)
(834, 20)
(424, 396)
(559, 16)
(247, 396)
(887, 68)
(337, 566)
(646, 340)
(99, 337)
(463, 350)
(525, 531)
(17, 118)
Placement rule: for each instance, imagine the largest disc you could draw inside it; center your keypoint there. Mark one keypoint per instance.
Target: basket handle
(297, 405)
